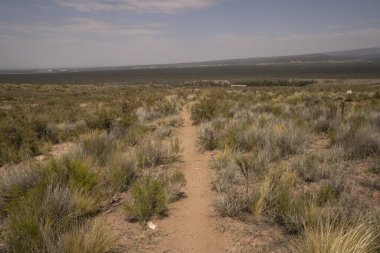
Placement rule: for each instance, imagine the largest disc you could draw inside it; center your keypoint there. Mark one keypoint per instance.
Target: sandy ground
(192, 224)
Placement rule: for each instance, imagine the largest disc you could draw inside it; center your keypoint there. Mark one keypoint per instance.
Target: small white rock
(151, 225)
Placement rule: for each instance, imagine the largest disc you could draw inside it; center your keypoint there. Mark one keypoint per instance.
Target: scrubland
(301, 161)
(121, 136)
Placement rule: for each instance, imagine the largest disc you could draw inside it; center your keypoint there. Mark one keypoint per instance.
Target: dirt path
(191, 225)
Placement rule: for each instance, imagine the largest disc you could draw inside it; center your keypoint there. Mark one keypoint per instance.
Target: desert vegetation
(298, 159)
(121, 136)
(294, 157)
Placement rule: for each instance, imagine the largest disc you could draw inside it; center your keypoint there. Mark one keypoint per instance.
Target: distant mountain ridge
(346, 56)
(364, 55)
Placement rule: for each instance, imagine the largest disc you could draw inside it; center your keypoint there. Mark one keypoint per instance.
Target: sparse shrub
(207, 136)
(257, 204)
(231, 204)
(99, 145)
(123, 170)
(89, 238)
(174, 185)
(358, 142)
(326, 195)
(310, 170)
(247, 167)
(203, 111)
(18, 181)
(153, 152)
(174, 121)
(18, 142)
(103, 118)
(135, 134)
(42, 202)
(149, 198)
(323, 125)
(163, 131)
(289, 138)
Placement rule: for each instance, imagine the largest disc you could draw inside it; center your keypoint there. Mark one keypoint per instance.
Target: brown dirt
(192, 224)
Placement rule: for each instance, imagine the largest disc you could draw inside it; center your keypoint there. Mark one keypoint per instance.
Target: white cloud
(163, 6)
(84, 26)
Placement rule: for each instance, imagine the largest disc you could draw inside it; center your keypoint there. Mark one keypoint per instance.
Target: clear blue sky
(79, 33)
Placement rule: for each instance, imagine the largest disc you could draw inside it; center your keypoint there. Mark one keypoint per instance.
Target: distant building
(238, 85)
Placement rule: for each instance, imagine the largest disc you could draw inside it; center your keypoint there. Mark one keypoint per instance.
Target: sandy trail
(191, 225)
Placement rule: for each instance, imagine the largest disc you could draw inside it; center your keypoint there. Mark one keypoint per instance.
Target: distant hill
(349, 64)
(363, 54)
(347, 56)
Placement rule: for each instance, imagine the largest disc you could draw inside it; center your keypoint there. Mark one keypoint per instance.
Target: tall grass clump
(93, 237)
(41, 203)
(332, 236)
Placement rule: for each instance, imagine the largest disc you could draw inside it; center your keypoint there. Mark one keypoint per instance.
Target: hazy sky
(77, 33)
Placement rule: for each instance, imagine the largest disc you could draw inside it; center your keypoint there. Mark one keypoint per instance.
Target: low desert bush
(48, 199)
(18, 142)
(135, 134)
(231, 204)
(153, 152)
(310, 169)
(174, 185)
(18, 181)
(99, 146)
(358, 141)
(207, 136)
(289, 138)
(203, 111)
(163, 131)
(122, 171)
(226, 171)
(149, 198)
(93, 237)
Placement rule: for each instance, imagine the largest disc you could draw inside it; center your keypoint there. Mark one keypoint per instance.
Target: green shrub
(203, 111)
(99, 145)
(149, 198)
(123, 170)
(42, 202)
(89, 238)
(17, 182)
(135, 134)
(207, 136)
(326, 195)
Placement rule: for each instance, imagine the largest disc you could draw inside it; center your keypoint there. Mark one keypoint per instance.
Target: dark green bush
(149, 198)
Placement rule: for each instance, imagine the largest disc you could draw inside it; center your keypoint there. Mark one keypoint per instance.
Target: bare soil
(192, 222)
